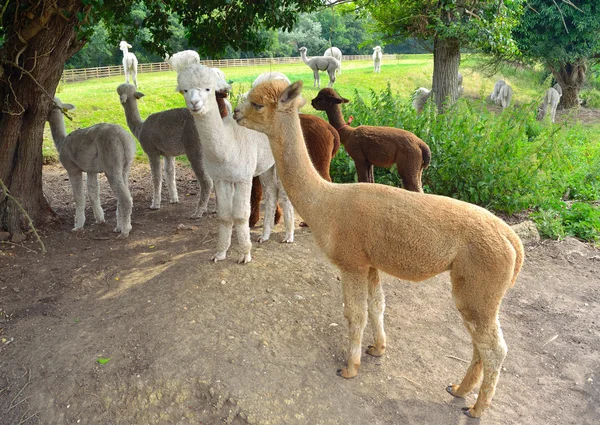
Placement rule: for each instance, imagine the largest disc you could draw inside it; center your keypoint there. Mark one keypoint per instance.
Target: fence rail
(71, 75)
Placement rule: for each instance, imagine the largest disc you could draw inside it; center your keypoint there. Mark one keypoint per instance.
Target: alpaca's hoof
(123, 235)
(219, 256)
(374, 351)
(453, 390)
(289, 239)
(245, 259)
(303, 224)
(197, 214)
(100, 221)
(174, 201)
(77, 229)
(262, 239)
(470, 412)
(346, 373)
(154, 207)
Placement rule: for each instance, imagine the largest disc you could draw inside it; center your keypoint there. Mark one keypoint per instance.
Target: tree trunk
(446, 59)
(31, 67)
(571, 78)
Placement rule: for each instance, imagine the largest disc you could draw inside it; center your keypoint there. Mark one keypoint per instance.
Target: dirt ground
(193, 342)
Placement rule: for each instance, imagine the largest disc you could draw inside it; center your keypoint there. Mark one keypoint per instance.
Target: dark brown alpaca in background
(381, 146)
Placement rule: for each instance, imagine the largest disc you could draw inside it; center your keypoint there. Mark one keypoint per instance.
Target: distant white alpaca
(336, 53)
(551, 99)
(502, 94)
(233, 155)
(377, 58)
(182, 59)
(101, 148)
(558, 88)
(461, 89)
(419, 98)
(130, 63)
(168, 133)
(321, 63)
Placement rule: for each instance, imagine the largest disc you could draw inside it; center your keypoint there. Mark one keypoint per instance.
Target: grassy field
(96, 100)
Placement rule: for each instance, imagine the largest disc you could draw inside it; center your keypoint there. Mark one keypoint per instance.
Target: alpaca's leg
(124, 203)
(355, 292)
(371, 174)
(76, 179)
(156, 171)
(362, 170)
(268, 180)
(224, 195)
(204, 181)
(472, 377)
(255, 198)
(94, 195)
(170, 177)
(134, 75)
(241, 214)
(376, 303)
(288, 214)
(411, 178)
(316, 77)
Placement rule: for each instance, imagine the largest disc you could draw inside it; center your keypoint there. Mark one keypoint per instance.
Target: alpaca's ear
(129, 46)
(293, 91)
(138, 95)
(344, 100)
(68, 107)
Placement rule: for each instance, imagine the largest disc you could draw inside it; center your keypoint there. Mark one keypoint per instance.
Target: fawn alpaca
(410, 235)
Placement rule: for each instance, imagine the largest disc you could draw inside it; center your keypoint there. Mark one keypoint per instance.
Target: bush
(507, 162)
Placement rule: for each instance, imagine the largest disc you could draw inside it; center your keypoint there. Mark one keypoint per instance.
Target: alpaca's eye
(207, 89)
(257, 106)
(185, 90)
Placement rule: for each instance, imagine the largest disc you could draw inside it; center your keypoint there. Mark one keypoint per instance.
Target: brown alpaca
(381, 146)
(412, 236)
(322, 142)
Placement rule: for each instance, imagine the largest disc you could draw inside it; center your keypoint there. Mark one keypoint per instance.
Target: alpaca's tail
(426, 153)
(336, 140)
(515, 241)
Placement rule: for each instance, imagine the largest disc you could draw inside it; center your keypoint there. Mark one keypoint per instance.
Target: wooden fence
(70, 75)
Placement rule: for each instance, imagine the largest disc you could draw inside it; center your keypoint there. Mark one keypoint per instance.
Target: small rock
(527, 232)
(18, 238)
(4, 236)
(298, 297)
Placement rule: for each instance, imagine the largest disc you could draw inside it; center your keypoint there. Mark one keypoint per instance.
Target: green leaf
(103, 360)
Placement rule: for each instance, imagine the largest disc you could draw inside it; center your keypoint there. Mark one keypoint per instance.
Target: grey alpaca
(321, 63)
(502, 94)
(551, 98)
(101, 148)
(169, 134)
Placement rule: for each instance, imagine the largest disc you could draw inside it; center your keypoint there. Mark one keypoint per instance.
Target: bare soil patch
(193, 342)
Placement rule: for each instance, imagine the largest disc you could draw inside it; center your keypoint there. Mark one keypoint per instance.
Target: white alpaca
(233, 155)
(336, 53)
(321, 63)
(182, 59)
(130, 63)
(502, 94)
(419, 98)
(168, 133)
(377, 58)
(101, 148)
(551, 98)
(265, 76)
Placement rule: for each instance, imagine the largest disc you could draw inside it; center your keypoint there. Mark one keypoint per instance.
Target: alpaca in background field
(502, 94)
(130, 63)
(551, 99)
(377, 58)
(265, 76)
(182, 59)
(336, 53)
(232, 156)
(421, 95)
(367, 228)
(376, 145)
(101, 148)
(167, 134)
(321, 63)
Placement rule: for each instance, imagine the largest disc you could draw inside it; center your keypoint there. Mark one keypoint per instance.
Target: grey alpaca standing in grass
(551, 98)
(321, 63)
(336, 53)
(502, 94)
(101, 148)
(169, 134)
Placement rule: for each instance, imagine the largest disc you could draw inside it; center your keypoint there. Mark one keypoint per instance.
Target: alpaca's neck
(305, 187)
(214, 136)
(133, 117)
(336, 119)
(125, 51)
(58, 129)
(304, 58)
